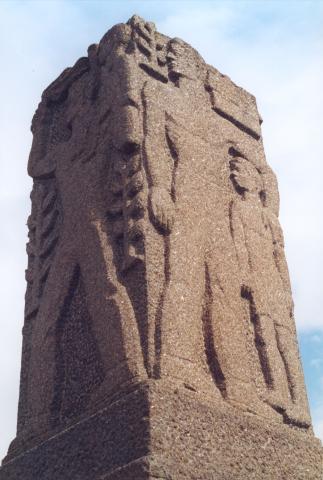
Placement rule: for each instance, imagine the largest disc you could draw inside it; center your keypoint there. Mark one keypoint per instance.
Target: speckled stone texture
(159, 339)
(161, 431)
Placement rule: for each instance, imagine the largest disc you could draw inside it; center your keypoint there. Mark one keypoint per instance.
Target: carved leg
(41, 383)
(298, 411)
(230, 343)
(277, 395)
(114, 321)
(182, 345)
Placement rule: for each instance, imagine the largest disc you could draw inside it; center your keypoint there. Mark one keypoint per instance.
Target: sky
(271, 48)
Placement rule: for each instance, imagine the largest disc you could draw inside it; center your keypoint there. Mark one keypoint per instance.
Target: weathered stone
(159, 338)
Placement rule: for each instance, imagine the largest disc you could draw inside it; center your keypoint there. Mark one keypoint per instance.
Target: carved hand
(162, 208)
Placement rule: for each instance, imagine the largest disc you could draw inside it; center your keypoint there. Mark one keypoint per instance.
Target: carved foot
(298, 416)
(251, 403)
(243, 395)
(276, 401)
(188, 375)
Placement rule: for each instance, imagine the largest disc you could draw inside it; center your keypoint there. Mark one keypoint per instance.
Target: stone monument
(159, 338)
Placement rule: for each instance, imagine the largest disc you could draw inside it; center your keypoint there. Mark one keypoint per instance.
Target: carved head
(38, 164)
(244, 176)
(183, 60)
(271, 193)
(114, 43)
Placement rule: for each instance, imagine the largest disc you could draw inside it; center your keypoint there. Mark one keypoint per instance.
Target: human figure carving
(265, 283)
(193, 258)
(158, 307)
(167, 174)
(82, 169)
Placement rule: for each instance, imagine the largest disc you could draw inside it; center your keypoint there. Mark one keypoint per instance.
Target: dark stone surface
(165, 432)
(110, 438)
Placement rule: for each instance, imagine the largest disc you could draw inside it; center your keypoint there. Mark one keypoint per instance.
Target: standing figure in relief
(173, 202)
(265, 283)
(82, 169)
(184, 162)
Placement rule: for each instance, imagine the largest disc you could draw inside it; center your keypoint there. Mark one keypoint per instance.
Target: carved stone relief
(155, 249)
(265, 285)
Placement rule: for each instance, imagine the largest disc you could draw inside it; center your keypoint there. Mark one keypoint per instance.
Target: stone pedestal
(160, 430)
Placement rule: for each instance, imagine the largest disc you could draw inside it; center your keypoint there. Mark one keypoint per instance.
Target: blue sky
(271, 48)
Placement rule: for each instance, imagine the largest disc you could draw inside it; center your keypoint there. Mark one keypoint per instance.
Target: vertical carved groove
(160, 307)
(210, 349)
(174, 154)
(291, 386)
(79, 368)
(258, 338)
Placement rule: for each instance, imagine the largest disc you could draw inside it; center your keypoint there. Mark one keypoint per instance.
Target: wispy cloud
(317, 418)
(316, 362)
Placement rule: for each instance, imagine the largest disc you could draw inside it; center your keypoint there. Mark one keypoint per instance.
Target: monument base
(160, 431)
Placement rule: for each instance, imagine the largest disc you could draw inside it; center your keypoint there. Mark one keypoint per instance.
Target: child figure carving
(265, 283)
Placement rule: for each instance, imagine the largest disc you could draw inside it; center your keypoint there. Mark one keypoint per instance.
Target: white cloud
(317, 418)
(316, 339)
(316, 362)
(319, 429)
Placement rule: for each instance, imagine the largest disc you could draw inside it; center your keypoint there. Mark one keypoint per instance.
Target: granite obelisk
(159, 339)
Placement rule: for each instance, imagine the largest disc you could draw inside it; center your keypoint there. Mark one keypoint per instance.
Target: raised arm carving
(159, 162)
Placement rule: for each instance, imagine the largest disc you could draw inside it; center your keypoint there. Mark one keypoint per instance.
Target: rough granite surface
(159, 339)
